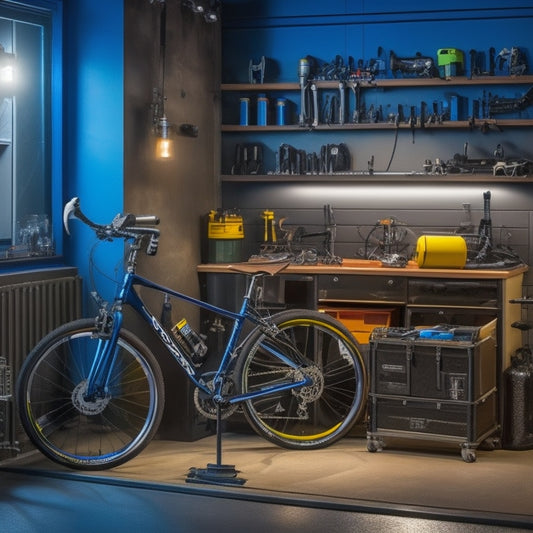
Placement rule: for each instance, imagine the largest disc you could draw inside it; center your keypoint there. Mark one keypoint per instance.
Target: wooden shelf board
(377, 178)
(388, 82)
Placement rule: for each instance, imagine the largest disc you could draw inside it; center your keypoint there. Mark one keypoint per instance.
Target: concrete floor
(408, 479)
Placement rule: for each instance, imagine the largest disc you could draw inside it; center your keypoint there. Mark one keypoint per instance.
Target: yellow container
(441, 251)
(226, 226)
(225, 233)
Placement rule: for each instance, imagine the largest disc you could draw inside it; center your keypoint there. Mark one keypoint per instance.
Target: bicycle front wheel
(81, 432)
(316, 415)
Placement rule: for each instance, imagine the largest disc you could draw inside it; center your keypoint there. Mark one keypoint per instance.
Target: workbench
(419, 296)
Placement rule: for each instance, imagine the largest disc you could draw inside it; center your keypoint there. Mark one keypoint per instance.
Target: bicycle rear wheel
(312, 416)
(84, 433)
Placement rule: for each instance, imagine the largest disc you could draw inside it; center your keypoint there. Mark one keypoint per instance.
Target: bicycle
(91, 393)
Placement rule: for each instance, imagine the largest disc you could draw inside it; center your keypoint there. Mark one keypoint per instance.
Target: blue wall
(93, 118)
(286, 31)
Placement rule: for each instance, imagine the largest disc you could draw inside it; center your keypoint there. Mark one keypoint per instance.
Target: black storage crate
(433, 369)
(462, 421)
(433, 389)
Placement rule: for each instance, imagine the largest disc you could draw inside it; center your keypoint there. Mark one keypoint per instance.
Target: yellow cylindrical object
(441, 251)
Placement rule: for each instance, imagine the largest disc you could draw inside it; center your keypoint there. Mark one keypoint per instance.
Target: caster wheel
(374, 445)
(468, 455)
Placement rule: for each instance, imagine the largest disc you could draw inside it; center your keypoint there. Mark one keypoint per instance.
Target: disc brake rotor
(88, 407)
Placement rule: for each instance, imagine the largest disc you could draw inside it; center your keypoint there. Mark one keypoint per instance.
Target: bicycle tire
(89, 434)
(313, 416)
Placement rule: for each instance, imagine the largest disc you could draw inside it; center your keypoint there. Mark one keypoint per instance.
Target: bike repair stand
(216, 474)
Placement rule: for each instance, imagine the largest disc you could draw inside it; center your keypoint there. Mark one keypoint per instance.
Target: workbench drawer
(432, 316)
(348, 288)
(361, 321)
(461, 293)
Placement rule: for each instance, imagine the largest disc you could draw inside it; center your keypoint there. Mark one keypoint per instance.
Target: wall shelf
(450, 124)
(255, 132)
(375, 178)
(385, 82)
(482, 123)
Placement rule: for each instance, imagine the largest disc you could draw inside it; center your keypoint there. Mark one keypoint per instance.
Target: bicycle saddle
(259, 268)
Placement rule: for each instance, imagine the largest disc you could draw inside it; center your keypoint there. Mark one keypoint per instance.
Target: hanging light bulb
(164, 146)
(160, 124)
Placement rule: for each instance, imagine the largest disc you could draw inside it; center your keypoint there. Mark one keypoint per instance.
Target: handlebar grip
(151, 220)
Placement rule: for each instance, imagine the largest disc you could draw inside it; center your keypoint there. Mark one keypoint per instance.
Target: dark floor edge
(300, 500)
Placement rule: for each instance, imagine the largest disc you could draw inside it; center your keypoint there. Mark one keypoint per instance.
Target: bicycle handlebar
(122, 226)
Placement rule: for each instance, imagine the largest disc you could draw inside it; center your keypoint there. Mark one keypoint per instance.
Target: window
(26, 131)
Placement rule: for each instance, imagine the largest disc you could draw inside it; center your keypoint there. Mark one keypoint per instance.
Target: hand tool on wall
(492, 61)
(248, 159)
(342, 102)
(498, 104)
(485, 224)
(270, 226)
(412, 122)
(256, 72)
(314, 91)
(419, 65)
(515, 60)
(356, 88)
(474, 68)
(304, 71)
(423, 114)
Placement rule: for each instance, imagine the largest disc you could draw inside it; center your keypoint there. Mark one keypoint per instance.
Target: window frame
(53, 9)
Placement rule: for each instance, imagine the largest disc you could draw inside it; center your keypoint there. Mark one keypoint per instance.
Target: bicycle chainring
(207, 407)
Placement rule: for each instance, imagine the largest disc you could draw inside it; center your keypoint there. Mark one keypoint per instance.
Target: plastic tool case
(439, 387)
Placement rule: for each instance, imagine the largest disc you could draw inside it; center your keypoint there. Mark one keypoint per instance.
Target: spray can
(281, 111)
(244, 110)
(262, 110)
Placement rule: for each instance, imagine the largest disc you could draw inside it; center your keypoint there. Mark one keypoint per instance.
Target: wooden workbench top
(223, 268)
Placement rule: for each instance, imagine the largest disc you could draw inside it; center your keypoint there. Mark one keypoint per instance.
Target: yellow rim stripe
(305, 437)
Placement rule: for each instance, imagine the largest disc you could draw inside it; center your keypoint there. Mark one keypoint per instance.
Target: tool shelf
(412, 83)
(449, 124)
(377, 177)
(385, 82)
(255, 133)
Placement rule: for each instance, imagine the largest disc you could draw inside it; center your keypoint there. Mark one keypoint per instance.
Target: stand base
(215, 474)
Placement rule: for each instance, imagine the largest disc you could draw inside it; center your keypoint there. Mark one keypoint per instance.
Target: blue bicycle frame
(107, 347)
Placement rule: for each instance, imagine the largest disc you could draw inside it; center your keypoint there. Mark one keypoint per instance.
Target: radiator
(28, 311)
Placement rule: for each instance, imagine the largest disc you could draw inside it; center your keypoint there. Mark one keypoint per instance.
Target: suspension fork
(104, 359)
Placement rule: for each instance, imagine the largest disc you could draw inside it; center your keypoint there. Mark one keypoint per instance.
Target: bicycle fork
(106, 353)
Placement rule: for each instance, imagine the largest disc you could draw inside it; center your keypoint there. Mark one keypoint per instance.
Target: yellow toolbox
(225, 233)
